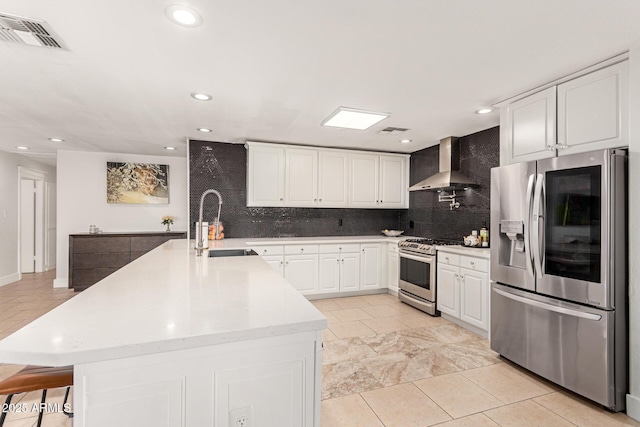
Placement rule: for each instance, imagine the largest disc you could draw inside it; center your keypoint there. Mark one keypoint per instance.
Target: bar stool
(31, 378)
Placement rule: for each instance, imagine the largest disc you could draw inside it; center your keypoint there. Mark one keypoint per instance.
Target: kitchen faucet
(199, 245)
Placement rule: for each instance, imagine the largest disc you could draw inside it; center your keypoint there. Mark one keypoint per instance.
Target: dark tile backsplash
(223, 167)
(479, 152)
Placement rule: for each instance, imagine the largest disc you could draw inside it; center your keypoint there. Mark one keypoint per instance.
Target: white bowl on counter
(392, 233)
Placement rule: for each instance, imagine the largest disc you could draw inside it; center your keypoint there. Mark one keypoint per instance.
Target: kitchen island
(178, 340)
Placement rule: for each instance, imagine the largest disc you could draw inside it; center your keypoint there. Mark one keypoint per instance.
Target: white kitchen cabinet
(301, 177)
(265, 175)
(579, 114)
(378, 181)
(276, 262)
(333, 184)
(463, 288)
(448, 289)
(364, 170)
(339, 272)
(370, 266)
(393, 184)
(283, 175)
(474, 307)
(593, 111)
(531, 127)
(393, 268)
(302, 272)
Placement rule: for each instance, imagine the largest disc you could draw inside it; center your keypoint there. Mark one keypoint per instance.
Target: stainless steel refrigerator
(559, 271)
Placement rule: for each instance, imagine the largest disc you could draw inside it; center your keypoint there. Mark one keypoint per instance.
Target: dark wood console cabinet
(92, 257)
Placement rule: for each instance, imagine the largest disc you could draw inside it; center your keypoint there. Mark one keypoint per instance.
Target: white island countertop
(167, 300)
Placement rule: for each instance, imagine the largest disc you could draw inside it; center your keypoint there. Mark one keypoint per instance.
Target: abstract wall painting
(137, 183)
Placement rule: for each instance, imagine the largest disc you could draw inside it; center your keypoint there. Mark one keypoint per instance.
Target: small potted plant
(167, 220)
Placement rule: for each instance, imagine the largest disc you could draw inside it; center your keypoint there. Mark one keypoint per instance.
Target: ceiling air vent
(393, 131)
(28, 31)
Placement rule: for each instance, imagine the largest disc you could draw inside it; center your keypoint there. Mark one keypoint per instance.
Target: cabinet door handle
(286, 262)
(340, 248)
(562, 146)
(343, 260)
(281, 198)
(447, 258)
(301, 249)
(473, 264)
(550, 147)
(280, 262)
(265, 251)
(315, 200)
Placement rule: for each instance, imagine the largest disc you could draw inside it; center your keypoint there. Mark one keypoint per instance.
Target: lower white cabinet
(463, 288)
(275, 382)
(393, 267)
(333, 267)
(339, 272)
(370, 266)
(302, 272)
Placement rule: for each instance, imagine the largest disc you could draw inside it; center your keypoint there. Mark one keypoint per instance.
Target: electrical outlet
(340, 222)
(241, 417)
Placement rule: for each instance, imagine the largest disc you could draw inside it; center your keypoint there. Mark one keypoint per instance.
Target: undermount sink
(232, 252)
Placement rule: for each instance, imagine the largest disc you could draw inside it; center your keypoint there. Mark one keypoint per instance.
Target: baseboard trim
(633, 407)
(60, 282)
(9, 279)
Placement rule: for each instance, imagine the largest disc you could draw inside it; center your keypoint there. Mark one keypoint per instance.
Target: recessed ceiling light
(484, 110)
(405, 141)
(21, 147)
(205, 130)
(169, 148)
(352, 118)
(201, 96)
(183, 15)
(56, 139)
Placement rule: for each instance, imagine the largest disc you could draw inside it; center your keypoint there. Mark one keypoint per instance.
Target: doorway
(31, 221)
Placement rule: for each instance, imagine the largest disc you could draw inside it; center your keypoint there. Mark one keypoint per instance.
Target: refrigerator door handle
(527, 228)
(535, 225)
(549, 307)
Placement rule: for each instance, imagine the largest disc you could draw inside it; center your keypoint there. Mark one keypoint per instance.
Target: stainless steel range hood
(449, 178)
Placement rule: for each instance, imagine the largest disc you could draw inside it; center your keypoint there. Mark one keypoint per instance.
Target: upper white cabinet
(333, 180)
(585, 113)
(282, 175)
(593, 110)
(393, 182)
(265, 176)
(301, 183)
(378, 181)
(531, 124)
(365, 177)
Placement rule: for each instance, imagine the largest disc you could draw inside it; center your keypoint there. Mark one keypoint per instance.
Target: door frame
(39, 177)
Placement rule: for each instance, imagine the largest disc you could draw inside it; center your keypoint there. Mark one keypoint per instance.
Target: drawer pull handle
(302, 250)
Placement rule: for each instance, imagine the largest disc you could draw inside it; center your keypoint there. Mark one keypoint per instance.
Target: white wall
(633, 398)
(82, 200)
(9, 232)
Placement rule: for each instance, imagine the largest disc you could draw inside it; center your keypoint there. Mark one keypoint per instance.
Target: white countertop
(167, 300)
(244, 242)
(463, 250)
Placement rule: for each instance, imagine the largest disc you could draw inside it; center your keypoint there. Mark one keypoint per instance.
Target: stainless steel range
(418, 273)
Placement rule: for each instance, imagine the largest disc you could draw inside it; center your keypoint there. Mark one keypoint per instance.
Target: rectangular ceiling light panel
(352, 118)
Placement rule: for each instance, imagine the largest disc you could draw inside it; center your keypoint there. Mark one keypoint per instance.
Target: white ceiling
(277, 68)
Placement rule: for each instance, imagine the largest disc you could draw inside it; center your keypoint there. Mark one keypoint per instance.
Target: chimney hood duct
(449, 178)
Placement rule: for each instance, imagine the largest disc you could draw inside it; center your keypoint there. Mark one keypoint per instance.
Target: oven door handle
(426, 259)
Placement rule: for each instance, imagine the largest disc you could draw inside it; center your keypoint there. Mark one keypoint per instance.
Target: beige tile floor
(385, 364)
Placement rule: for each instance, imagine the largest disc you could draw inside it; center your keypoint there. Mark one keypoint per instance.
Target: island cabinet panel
(92, 257)
(271, 382)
